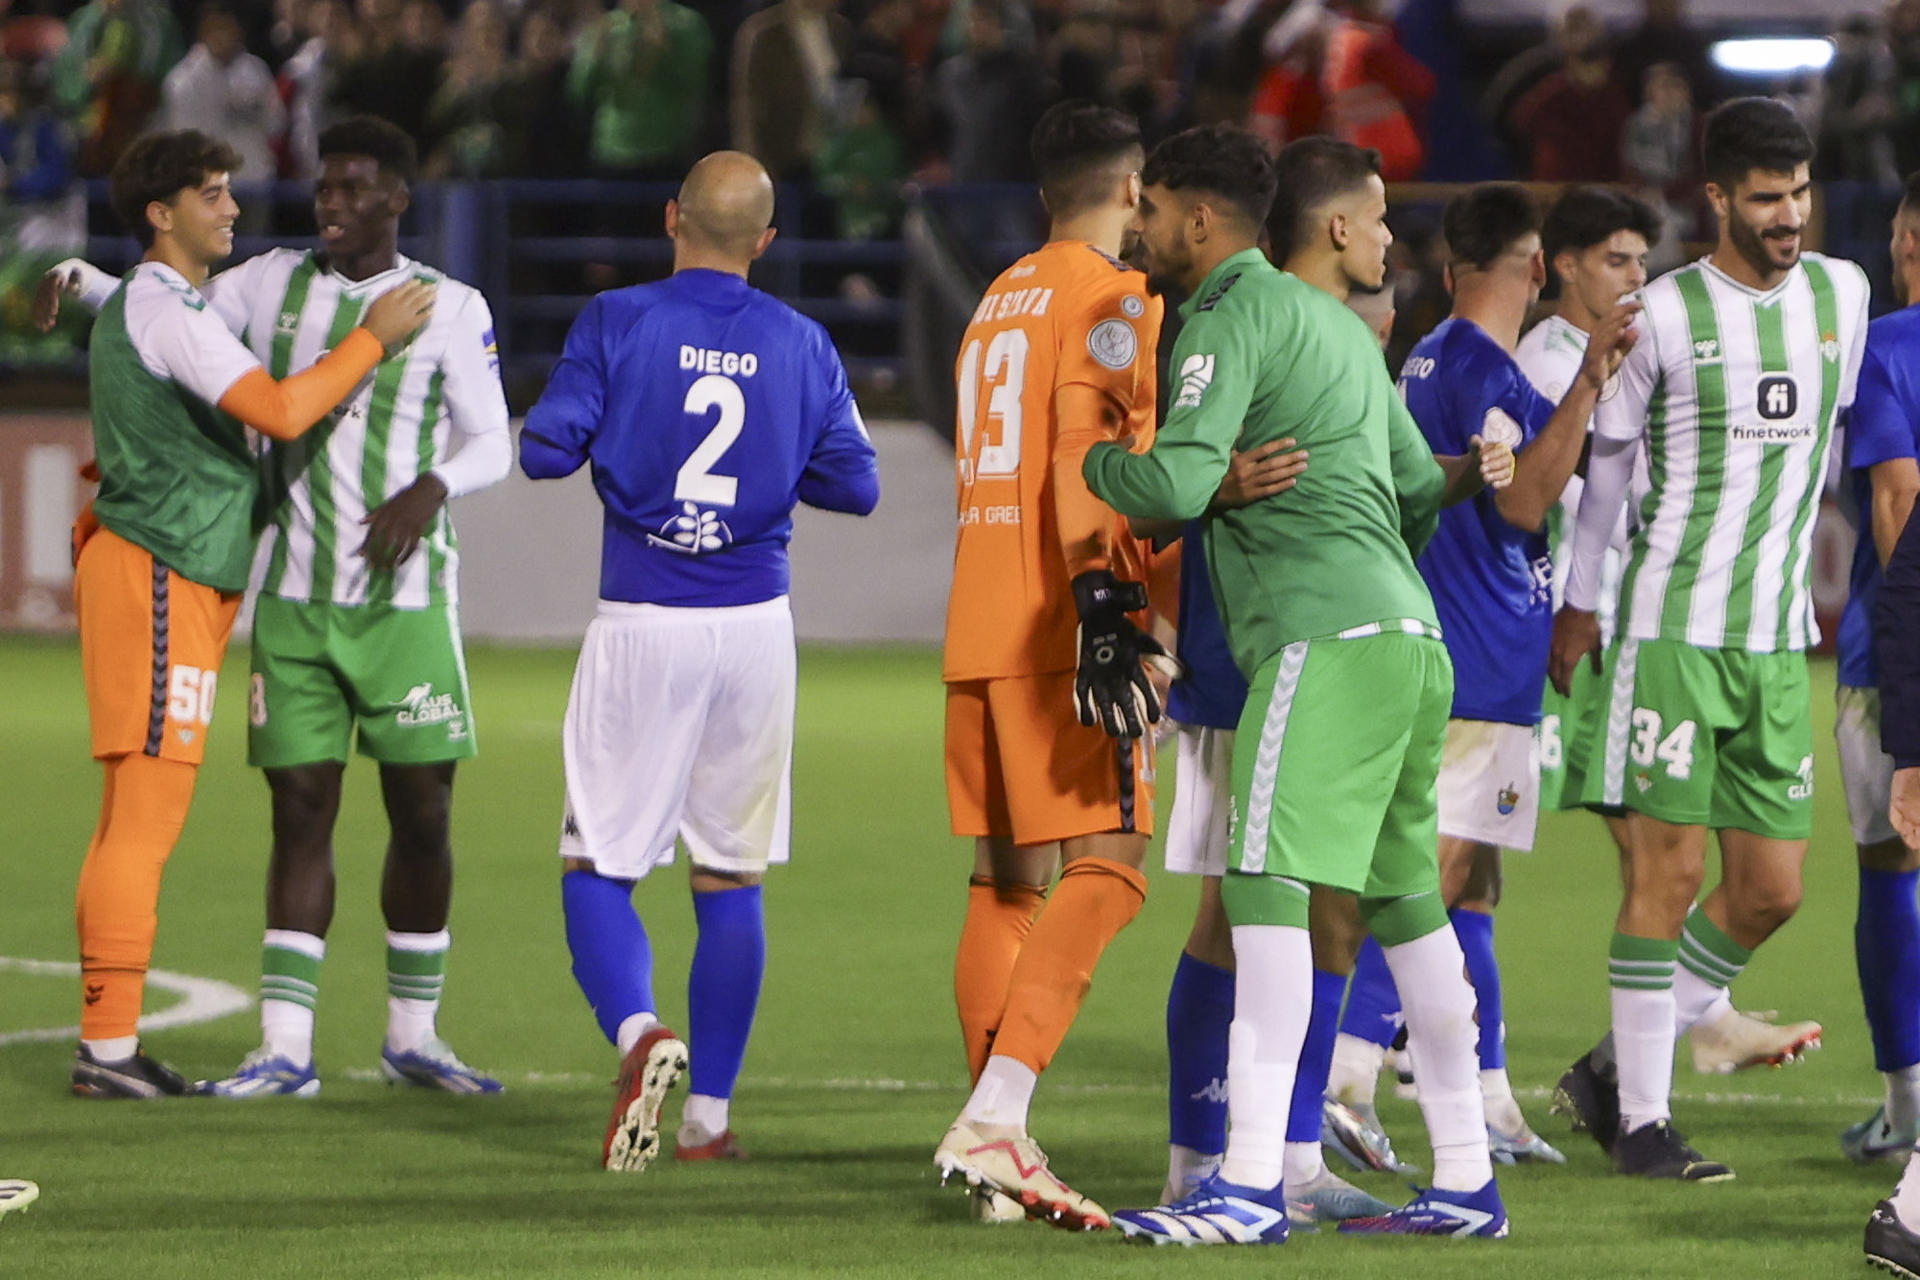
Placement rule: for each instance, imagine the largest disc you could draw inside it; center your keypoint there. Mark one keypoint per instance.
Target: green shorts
(1334, 765)
(1568, 727)
(318, 669)
(1720, 738)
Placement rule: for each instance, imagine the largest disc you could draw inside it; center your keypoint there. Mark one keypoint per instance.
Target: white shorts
(680, 723)
(1489, 784)
(1866, 772)
(1197, 828)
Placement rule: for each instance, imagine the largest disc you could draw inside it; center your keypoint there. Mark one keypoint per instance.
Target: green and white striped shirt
(394, 428)
(1735, 393)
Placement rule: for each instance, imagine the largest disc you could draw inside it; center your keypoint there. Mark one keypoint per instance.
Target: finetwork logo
(1196, 375)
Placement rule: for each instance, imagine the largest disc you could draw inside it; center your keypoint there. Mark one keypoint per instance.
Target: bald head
(726, 204)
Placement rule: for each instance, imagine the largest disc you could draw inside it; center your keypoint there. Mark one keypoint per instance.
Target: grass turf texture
(855, 1067)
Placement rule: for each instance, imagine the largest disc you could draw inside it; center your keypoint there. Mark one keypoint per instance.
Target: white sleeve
(476, 404)
(1857, 350)
(91, 285)
(1609, 472)
(179, 338)
(1621, 413)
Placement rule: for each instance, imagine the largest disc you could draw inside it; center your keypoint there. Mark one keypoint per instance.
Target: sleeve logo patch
(1113, 344)
(1498, 427)
(1132, 307)
(1196, 375)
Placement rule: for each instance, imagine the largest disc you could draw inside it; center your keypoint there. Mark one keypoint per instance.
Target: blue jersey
(707, 409)
(1884, 424)
(1492, 583)
(1212, 692)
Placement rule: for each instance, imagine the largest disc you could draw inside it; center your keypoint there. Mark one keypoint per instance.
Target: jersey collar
(1219, 276)
(1758, 295)
(401, 266)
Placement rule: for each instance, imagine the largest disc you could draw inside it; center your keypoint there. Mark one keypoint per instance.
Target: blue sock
(723, 986)
(1475, 931)
(612, 961)
(1199, 1011)
(1316, 1057)
(1373, 1002)
(1886, 945)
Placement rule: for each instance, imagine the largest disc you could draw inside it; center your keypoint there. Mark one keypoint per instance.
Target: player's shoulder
(154, 286)
(1844, 272)
(1896, 329)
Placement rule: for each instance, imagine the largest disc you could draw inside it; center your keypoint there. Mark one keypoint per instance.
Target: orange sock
(998, 919)
(143, 806)
(1093, 902)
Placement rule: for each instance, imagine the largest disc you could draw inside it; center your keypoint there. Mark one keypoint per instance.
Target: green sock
(416, 972)
(289, 989)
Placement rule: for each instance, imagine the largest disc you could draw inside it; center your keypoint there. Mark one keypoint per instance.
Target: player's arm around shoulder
(1216, 364)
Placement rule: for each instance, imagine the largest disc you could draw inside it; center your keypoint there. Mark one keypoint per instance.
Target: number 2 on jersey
(1005, 376)
(697, 481)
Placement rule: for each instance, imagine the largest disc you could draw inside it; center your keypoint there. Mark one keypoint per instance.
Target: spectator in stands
(1659, 147)
(387, 75)
(1903, 38)
(1084, 50)
(640, 75)
(544, 132)
(329, 38)
(877, 58)
(861, 168)
(1857, 116)
(786, 59)
(986, 98)
(107, 79)
(1665, 36)
(1374, 89)
(227, 93)
(43, 214)
(1574, 120)
(1573, 34)
(466, 133)
(423, 27)
(1287, 103)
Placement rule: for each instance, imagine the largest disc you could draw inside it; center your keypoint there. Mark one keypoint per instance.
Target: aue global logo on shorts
(422, 706)
(1803, 789)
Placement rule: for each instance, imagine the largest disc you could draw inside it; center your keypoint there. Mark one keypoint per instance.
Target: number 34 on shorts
(1720, 738)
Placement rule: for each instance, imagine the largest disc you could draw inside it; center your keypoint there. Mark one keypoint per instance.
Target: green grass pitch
(855, 1067)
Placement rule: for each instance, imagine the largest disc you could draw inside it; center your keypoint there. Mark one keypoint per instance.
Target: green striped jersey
(1736, 393)
(393, 428)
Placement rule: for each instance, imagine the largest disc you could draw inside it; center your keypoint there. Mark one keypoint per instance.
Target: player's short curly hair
(1223, 159)
(1485, 222)
(1072, 144)
(1752, 133)
(387, 143)
(1586, 216)
(1308, 175)
(159, 166)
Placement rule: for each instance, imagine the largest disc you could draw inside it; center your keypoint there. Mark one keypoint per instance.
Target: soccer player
(1750, 355)
(1336, 752)
(352, 629)
(1490, 573)
(1892, 1241)
(1328, 228)
(164, 550)
(1041, 652)
(1596, 241)
(707, 409)
(1883, 441)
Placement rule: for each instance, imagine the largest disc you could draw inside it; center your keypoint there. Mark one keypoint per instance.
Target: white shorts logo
(1196, 375)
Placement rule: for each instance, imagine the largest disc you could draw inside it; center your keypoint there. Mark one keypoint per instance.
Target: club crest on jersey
(1830, 347)
(1508, 800)
(1196, 375)
(1113, 344)
(289, 321)
(692, 532)
(1707, 349)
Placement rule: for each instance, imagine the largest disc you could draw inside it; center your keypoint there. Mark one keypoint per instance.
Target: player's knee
(305, 799)
(716, 880)
(1771, 902)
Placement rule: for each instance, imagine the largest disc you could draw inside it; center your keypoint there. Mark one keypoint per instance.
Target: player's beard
(1752, 245)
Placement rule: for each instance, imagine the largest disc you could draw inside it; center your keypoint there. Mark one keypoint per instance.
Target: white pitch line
(202, 999)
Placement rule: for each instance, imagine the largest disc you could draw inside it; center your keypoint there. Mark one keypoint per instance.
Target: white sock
(1695, 1000)
(1004, 1094)
(1187, 1168)
(1304, 1162)
(117, 1049)
(632, 1027)
(1356, 1070)
(1906, 1197)
(1903, 1098)
(286, 1025)
(410, 1018)
(1272, 1001)
(1439, 1005)
(1496, 1090)
(1643, 1035)
(705, 1113)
